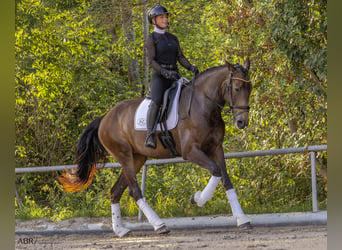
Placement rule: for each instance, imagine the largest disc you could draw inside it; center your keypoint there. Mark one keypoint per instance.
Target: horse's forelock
(241, 68)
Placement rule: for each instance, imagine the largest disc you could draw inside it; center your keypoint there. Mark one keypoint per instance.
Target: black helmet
(156, 11)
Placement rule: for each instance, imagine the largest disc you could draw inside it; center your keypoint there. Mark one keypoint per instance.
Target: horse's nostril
(240, 123)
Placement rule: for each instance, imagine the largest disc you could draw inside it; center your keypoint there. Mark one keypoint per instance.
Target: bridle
(229, 88)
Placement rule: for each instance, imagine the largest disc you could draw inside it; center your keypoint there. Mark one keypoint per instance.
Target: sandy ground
(275, 238)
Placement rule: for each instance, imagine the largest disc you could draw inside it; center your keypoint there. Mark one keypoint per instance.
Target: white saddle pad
(172, 120)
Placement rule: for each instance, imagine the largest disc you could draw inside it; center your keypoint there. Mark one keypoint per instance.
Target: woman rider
(163, 52)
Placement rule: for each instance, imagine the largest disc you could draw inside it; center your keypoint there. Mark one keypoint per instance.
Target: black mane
(236, 66)
(209, 70)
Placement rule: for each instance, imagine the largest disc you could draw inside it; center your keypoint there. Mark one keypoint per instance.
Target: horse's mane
(236, 66)
(209, 70)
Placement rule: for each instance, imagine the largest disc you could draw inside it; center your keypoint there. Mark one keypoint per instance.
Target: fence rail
(308, 149)
(315, 148)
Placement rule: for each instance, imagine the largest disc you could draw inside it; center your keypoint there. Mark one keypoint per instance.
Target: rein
(191, 92)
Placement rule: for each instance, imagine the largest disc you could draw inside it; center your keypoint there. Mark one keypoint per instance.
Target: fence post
(18, 197)
(313, 182)
(143, 183)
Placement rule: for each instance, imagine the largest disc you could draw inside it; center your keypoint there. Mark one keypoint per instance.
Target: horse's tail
(89, 151)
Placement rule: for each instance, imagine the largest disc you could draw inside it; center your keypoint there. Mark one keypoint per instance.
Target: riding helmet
(156, 11)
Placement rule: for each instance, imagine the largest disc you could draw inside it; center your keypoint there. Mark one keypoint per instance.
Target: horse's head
(237, 91)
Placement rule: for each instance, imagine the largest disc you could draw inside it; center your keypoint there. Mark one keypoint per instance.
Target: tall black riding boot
(152, 114)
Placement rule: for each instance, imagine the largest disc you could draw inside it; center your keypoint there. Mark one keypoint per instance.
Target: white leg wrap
(151, 216)
(118, 228)
(202, 197)
(236, 208)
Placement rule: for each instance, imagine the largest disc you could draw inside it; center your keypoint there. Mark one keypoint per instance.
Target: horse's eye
(237, 89)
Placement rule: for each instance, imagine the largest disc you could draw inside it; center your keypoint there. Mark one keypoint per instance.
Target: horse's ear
(247, 63)
(230, 66)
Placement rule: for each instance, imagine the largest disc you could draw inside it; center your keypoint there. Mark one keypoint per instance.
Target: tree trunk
(146, 71)
(132, 58)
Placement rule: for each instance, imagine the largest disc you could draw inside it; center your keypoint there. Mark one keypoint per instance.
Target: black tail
(89, 151)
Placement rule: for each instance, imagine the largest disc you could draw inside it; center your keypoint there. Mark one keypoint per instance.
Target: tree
(60, 76)
(129, 38)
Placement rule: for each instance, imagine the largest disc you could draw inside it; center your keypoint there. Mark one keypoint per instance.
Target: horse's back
(118, 122)
(127, 105)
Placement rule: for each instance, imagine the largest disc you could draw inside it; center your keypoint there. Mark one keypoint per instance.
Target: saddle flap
(169, 96)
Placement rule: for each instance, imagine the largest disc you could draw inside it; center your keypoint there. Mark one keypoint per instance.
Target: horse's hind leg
(131, 164)
(116, 193)
(135, 192)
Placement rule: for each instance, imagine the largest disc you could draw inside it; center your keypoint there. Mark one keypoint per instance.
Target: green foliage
(71, 66)
(302, 35)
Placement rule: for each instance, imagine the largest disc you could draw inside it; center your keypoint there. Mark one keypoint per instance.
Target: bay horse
(198, 136)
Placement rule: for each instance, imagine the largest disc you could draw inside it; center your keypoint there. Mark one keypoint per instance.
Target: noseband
(229, 88)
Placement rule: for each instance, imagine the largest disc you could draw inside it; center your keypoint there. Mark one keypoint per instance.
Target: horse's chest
(212, 132)
(211, 120)
(210, 143)
(215, 120)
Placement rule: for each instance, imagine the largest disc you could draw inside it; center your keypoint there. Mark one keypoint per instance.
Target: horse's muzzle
(242, 120)
(241, 123)
(241, 117)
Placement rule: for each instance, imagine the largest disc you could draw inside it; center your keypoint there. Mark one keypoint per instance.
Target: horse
(198, 137)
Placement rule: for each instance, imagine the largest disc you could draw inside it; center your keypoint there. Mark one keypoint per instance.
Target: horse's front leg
(201, 197)
(192, 153)
(242, 220)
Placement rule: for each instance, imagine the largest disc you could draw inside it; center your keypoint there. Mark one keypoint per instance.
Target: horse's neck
(210, 84)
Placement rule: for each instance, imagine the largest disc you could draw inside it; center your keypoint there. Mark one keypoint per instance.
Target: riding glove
(170, 74)
(194, 69)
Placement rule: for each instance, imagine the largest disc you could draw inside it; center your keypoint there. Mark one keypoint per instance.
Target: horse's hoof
(163, 230)
(124, 233)
(246, 226)
(192, 200)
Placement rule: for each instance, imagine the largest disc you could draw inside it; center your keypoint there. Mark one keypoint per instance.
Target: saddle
(168, 116)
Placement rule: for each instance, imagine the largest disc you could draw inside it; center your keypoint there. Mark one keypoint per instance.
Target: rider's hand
(194, 69)
(170, 74)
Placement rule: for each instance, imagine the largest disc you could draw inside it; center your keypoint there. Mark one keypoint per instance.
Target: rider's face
(162, 21)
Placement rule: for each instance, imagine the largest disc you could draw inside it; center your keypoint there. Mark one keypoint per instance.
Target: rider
(163, 52)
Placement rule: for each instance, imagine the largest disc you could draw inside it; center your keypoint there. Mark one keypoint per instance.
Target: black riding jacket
(164, 49)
